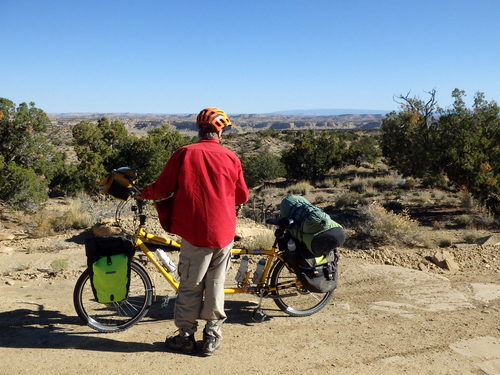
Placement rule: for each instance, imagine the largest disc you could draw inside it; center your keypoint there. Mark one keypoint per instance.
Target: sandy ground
(383, 319)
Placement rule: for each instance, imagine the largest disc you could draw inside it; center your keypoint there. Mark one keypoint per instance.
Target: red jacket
(207, 182)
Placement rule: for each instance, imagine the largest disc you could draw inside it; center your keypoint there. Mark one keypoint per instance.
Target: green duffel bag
(108, 260)
(311, 225)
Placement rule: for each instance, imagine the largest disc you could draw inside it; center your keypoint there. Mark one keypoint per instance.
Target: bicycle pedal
(259, 316)
(164, 302)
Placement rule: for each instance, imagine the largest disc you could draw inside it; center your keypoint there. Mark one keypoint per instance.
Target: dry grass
(444, 242)
(359, 185)
(263, 240)
(59, 265)
(381, 227)
(463, 221)
(348, 199)
(423, 198)
(48, 223)
(328, 183)
(300, 188)
(389, 183)
(471, 237)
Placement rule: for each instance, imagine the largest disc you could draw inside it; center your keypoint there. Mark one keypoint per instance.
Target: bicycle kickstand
(258, 314)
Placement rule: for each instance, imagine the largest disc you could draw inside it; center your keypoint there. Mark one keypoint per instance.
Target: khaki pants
(202, 274)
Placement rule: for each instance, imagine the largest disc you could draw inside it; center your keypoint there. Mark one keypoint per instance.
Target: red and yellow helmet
(214, 117)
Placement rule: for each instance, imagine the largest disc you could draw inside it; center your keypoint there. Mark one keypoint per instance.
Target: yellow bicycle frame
(142, 238)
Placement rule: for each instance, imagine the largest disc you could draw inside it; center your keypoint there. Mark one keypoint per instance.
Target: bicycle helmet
(213, 117)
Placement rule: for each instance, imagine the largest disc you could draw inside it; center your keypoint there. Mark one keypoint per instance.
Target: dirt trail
(383, 319)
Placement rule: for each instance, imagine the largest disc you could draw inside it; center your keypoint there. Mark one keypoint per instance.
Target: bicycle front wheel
(294, 300)
(116, 316)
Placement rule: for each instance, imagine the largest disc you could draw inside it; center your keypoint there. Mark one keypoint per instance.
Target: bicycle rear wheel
(116, 316)
(294, 300)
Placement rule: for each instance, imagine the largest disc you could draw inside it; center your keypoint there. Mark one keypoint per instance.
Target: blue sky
(245, 56)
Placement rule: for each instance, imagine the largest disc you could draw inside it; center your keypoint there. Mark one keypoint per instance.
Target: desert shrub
(74, 217)
(320, 199)
(437, 180)
(438, 224)
(262, 167)
(59, 265)
(271, 191)
(466, 200)
(471, 237)
(484, 218)
(21, 187)
(422, 198)
(457, 145)
(313, 154)
(263, 240)
(444, 242)
(68, 179)
(425, 241)
(328, 183)
(106, 145)
(438, 195)
(28, 161)
(463, 221)
(358, 185)
(370, 192)
(410, 183)
(382, 227)
(364, 149)
(300, 188)
(348, 199)
(388, 183)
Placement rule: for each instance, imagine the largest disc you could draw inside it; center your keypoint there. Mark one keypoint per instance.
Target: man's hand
(238, 208)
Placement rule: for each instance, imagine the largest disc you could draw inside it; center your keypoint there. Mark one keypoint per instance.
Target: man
(207, 183)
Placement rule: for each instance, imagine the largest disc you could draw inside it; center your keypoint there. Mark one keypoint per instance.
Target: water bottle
(242, 270)
(258, 271)
(291, 245)
(167, 262)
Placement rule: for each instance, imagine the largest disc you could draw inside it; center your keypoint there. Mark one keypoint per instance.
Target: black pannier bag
(317, 274)
(108, 261)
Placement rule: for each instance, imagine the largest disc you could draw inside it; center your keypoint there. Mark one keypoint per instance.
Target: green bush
(21, 187)
(457, 145)
(262, 167)
(105, 145)
(27, 161)
(363, 150)
(313, 154)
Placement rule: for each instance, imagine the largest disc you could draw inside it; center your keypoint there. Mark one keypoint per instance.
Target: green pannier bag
(108, 260)
(311, 225)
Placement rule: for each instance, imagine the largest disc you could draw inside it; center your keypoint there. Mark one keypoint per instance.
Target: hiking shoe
(183, 344)
(210, 344)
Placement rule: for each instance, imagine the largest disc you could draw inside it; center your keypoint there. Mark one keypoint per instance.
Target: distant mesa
(283, 120)
(330, 112)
